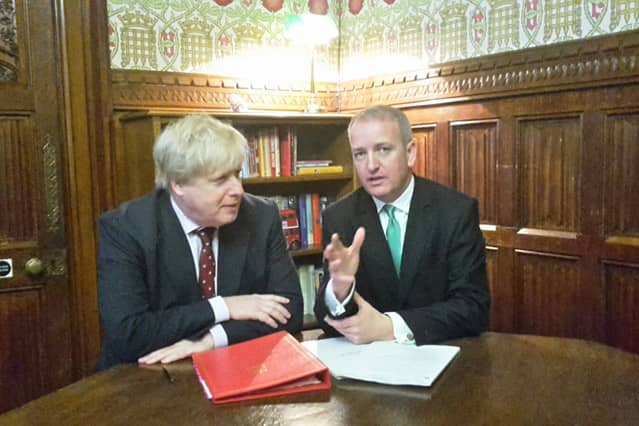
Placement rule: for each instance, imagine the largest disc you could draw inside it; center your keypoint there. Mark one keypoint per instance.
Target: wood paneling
(425, 164)
(622, 299)
(23, 334)
(474, 165)
(550, 295)
(549, 159)
(622, 175)
(17, 174)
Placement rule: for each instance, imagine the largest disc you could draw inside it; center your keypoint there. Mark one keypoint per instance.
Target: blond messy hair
(196, 145)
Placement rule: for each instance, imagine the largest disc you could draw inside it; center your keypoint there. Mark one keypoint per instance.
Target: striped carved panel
(549, 300)
(21, 320)
(17, 180)
(622, 175)
(474, 167)
(493, 286)
(425, 165)
(622, 300)
(549, 163)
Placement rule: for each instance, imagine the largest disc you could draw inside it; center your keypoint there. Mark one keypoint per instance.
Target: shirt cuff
(220, 309)
(401, 331)
(335, 307)
(220, 339)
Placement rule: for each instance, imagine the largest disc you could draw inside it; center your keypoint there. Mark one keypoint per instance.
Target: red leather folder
(271, 365)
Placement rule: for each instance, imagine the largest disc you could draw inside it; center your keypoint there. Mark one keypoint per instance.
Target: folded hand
(267, 308)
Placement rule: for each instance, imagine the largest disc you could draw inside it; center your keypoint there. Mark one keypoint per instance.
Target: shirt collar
(187, 224)
(402, 202)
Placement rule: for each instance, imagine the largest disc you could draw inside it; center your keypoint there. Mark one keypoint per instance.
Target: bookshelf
(319, 136)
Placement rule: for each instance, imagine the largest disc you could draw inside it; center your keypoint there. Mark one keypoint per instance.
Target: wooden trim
(88, 111)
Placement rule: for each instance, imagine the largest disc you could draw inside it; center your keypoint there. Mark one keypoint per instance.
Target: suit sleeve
(132, 328)
(464, 309)
(281, 279)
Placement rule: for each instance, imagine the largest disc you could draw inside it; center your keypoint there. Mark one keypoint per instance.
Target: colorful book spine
(319, 170)
(285, 152)
(309, 219)
(302, 216)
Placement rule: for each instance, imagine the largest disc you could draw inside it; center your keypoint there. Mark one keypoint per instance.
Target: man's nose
(371, 161)
(236, 187)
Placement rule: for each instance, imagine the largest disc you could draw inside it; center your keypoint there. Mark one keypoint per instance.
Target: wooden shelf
(307, 251)
(297, 179)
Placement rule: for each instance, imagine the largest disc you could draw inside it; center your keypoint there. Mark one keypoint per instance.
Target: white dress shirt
(217, 303)
(401, 331)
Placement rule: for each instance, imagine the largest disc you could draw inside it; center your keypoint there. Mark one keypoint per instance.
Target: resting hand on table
(182, 349)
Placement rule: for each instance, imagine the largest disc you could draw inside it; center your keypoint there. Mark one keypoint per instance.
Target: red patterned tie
(207, 263)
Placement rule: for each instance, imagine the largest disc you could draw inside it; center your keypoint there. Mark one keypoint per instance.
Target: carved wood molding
(51, 184)
(606, 60)
(593, 62)
(152, 89)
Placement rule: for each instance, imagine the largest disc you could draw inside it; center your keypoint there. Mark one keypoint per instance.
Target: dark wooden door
(35, 324)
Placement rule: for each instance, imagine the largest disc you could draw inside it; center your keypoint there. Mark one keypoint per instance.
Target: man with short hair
(197, 263)
(404, 256)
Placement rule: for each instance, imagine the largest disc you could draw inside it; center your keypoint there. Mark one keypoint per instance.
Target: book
(268, 366)
(291, 228)
(317, 223)
(313, 163)
(301, 210)
(310, 239)
(285, 151)
(319, 170)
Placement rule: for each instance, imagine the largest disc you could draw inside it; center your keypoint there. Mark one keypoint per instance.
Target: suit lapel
(418, 231)
(375, 251)
(232, 251)
(179, 269)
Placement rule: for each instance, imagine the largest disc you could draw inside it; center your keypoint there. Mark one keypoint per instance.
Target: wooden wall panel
(549, 160)
(17, 179)
(492, 270)
(621, 193)
(550, 297)
(425, 165)
(474, 164)
(622, 300)
(21, 333)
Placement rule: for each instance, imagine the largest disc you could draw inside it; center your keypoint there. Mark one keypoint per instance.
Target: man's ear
(411, 153)
(176, 188)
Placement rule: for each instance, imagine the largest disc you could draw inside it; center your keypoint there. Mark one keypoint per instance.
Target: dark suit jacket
(442, 292)
(148, 293)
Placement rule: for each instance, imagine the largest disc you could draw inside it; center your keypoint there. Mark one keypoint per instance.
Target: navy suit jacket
(147, 288)
(442, 292)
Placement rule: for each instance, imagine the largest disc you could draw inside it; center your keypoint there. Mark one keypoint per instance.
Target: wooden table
(495, 379)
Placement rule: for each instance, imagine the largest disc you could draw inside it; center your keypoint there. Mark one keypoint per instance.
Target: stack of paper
(383, 362)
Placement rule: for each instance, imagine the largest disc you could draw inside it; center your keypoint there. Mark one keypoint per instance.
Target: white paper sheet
(383, 362)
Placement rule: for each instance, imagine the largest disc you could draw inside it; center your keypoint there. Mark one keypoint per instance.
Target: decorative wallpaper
(247, 38)
(8, 41)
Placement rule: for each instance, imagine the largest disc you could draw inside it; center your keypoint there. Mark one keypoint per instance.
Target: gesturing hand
(343, 262)
(267, 308)
(179, 350)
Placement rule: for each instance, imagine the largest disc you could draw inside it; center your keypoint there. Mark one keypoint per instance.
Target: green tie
(393, 236)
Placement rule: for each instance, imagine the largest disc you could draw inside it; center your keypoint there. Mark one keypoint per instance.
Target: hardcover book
(319, 170)
(268, 366)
